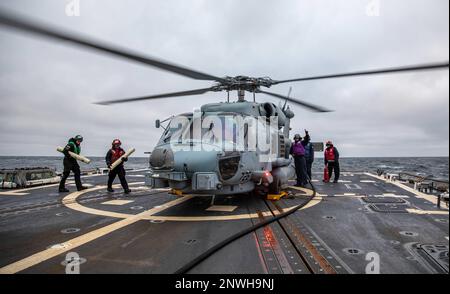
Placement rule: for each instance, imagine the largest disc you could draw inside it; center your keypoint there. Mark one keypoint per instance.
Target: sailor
(309, 153)
(71, 164)
(298, 152)
(332, 161)
(114, 154)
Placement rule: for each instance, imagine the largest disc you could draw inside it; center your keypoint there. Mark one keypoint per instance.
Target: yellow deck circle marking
(70, 202)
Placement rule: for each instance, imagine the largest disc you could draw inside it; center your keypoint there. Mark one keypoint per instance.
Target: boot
(110, 190)
(63, 190)
(127, 191)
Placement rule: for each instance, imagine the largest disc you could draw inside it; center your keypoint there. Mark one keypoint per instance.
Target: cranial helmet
(116, 142)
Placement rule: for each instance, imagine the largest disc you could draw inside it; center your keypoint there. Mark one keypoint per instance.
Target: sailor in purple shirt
(298, 153)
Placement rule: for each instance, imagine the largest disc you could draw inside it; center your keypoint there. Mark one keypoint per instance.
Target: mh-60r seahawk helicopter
(216, 172)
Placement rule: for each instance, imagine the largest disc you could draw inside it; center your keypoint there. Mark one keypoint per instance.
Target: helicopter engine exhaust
(271, 110)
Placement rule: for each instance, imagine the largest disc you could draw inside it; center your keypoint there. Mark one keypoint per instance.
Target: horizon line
(409, 156)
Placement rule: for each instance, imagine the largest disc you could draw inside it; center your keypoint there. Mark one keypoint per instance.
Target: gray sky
(47, 88)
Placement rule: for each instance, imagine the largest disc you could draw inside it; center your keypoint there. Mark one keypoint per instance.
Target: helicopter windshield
(218, 129)
(176, 126)
(212, 129)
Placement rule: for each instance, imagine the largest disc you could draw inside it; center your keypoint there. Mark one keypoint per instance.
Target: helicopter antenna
(228, 96)
(254, 96)
(288, 96)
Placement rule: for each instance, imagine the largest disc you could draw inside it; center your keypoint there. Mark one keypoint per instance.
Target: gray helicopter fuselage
(219, 167)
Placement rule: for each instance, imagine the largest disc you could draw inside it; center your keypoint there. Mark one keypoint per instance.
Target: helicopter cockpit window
(223, 129)
(212, 129)
(176, 127)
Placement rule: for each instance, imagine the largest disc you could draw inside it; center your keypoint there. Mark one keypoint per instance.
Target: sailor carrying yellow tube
(71, 154)
(115, 158)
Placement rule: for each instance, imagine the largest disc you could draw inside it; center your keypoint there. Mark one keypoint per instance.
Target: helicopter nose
(162, 158)
(196, 161)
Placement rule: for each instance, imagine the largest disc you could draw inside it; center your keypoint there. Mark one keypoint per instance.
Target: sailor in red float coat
(332, 161)
(114, 154)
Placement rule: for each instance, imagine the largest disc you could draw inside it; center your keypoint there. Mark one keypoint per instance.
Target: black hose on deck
(190, 265)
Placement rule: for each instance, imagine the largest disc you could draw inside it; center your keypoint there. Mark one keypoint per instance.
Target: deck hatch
(386, 200)
(436, 255)
(389, 208)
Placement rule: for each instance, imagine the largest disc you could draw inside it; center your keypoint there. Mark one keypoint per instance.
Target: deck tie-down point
(276, 197)
(176, 192)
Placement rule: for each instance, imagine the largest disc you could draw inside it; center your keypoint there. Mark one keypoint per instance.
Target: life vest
(76, 148)
(298, 149)
(116, 154)
(329, 154)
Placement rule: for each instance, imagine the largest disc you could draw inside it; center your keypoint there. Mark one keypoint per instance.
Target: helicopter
(226, 166)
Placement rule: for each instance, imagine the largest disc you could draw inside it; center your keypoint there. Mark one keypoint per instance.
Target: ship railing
(423, 183)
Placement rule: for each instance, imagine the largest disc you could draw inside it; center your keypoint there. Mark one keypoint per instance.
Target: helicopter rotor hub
(245, 83)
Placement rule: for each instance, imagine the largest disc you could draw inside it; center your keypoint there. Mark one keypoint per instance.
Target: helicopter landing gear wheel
(275, 187)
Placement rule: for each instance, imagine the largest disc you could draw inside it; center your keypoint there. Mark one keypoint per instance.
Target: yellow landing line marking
(420, 195)
(222, 208)
(38, 187)
(20, 192)
(13, 194)
(70, 202)
(85, 185)
(142, 188)
(227, 217)
(83, 239)
(392, 196)
(313, 202)
(419, 211)
(352, 196)
(93, 175)
(117, 202)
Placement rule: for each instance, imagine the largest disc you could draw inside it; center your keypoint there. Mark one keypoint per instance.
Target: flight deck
(344, 229)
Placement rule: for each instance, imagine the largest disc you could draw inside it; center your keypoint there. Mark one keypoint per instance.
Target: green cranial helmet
(78, 138)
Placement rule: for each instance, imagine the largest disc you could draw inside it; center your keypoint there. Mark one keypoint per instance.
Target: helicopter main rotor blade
(298, 102)
(167, 95)
(420, 67)
(46, 31)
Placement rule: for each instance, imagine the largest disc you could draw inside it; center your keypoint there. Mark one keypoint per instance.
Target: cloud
(47, 88)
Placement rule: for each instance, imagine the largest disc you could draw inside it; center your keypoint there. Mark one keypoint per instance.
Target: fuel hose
(199, 259)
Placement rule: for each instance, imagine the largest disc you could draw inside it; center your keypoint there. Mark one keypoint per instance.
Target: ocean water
(56, 162)
(437, 167)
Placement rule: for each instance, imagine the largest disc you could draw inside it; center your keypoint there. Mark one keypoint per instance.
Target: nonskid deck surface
(342, 230)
